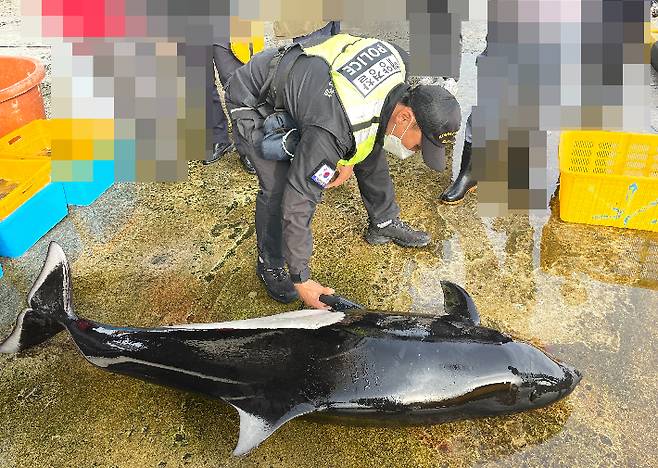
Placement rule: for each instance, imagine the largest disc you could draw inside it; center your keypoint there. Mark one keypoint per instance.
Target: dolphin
(358, 363)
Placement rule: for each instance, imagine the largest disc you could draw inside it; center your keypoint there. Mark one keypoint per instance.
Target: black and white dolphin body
(362, 363)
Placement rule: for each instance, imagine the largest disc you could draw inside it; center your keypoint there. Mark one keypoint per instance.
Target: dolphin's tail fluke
(49, 305)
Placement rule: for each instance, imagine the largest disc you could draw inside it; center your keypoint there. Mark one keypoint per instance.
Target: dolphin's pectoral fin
(458, 303)
(254, 428)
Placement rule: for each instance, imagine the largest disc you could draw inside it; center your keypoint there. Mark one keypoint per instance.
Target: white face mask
(394, 145)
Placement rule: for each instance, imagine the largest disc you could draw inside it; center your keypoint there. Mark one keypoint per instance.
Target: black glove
(339, 303)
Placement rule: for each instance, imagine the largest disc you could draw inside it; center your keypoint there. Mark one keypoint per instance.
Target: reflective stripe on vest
(363, 72)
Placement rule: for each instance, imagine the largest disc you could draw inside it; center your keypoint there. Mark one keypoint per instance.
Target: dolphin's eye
(533, 395)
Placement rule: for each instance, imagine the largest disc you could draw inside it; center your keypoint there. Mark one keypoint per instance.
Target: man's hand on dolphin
(344, 173)
(310, 291)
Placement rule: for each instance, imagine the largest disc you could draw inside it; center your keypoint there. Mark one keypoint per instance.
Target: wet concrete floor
(154, 254)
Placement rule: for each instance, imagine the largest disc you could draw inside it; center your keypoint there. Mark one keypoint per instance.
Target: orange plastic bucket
(20, 97)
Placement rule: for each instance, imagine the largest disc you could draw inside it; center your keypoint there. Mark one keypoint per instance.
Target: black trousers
(225, 63)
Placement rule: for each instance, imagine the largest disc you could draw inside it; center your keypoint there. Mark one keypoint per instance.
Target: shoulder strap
(264, 90)
(284, 59)
(286, 63)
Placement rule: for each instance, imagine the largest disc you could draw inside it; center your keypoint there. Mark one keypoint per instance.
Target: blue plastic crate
(32, 220)
(85, 193)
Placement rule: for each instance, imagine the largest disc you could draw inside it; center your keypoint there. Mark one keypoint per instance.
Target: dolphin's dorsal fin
(254, 429)
(458, 303)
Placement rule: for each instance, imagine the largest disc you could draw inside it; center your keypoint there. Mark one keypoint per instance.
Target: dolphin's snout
(572, 377)
(577, 376)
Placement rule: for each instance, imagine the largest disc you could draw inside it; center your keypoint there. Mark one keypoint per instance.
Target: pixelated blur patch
(62, 149)
(82, 171)
(62, 171)
(88, 18)
(81, 139)
(103, 150)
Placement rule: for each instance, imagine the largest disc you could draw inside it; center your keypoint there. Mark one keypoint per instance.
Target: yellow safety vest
(363, 72)
(243, 51)
(248, 40)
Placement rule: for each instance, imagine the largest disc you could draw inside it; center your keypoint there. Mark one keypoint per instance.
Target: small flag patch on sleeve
(323, 174)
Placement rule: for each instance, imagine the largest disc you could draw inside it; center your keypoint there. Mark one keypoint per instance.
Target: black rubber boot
(277, 282)
(396, 231)
(246, 165)
(464, 183)
(218, 151)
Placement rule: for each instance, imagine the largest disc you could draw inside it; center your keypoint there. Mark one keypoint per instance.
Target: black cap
(438, 115)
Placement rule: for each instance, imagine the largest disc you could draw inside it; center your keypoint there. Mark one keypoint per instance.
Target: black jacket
(326, 137)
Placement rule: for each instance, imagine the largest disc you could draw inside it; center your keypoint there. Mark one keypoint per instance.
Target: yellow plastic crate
(609, 179)
(30, 141)
(62, 139)
(19, 180)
